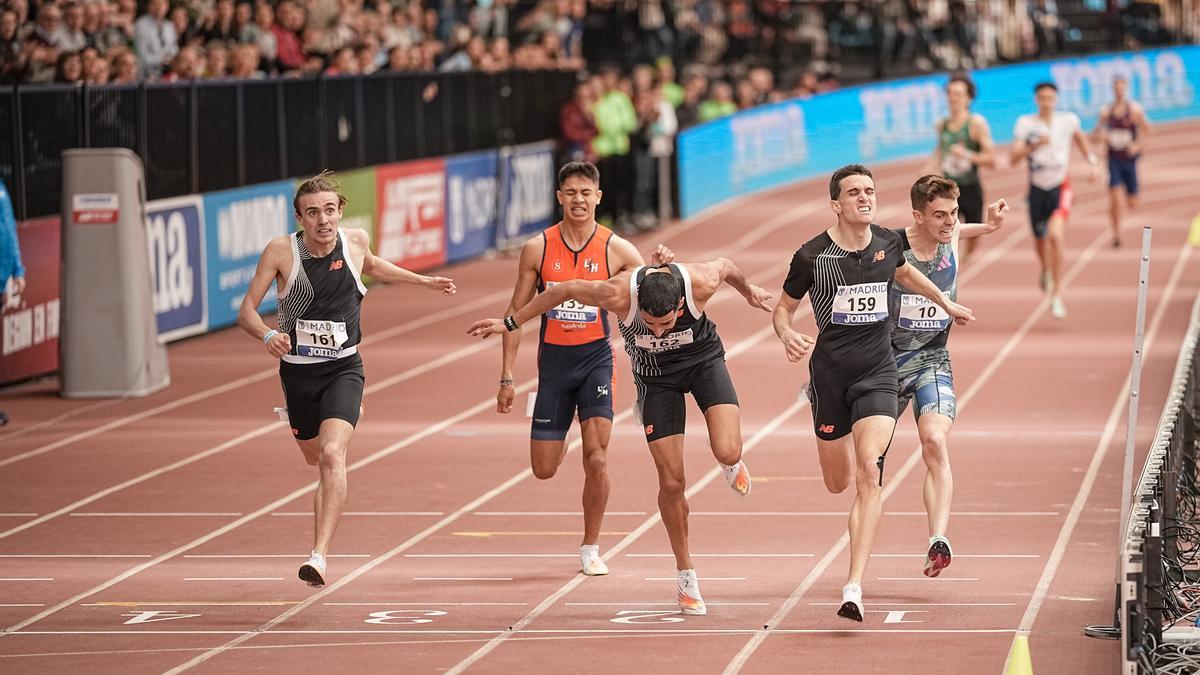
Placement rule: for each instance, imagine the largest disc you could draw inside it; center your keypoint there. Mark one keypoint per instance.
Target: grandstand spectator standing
(964, 145)
(920, 331)
(846, 272)
(575, 355)
(1123, 128)
(675, 350)
(316, 273)
(616, 120)
(1045, 138)
(155, 39)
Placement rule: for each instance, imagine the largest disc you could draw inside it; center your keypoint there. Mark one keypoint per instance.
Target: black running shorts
(660, 399)
(316, 392)
(838, 401)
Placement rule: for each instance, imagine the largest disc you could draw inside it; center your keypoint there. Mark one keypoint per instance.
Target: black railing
(203, 136)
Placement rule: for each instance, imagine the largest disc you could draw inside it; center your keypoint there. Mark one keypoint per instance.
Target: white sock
(591, 551)
(730, 471)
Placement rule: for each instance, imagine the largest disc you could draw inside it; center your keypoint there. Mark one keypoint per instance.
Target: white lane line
(462, 578)
(698, 578)
(491, 555)
(273, 555)
(662, 604)
(925, 579)
(723, 555)
(189, 603)
(455, 312)
(901, 603)
(564, 631)
(958, 555)
(553, 513)
(130, 514)
(233, 578)
(1042, 589)
(739, 660)
(72, 555)
(308, 514)
(434, 603)
(842, 514)
(26, 578)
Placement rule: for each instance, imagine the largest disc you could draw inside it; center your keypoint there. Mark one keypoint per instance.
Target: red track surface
(440, 488)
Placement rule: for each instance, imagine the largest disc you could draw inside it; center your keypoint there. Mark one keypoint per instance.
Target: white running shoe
(738, 477)
(1057, 309)
(852, 607)
(589, 560)
(939, 556)
(690, 601)
(313, 571)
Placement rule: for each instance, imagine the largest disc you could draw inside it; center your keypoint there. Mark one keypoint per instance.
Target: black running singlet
(691, 341)
(319, 306)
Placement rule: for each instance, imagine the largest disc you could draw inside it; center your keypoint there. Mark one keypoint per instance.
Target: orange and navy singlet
(575, 356)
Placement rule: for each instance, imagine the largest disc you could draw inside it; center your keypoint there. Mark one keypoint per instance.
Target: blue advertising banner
(471, 204)
(175, 238)
(238, 224)
(527, 177)
(782, 143)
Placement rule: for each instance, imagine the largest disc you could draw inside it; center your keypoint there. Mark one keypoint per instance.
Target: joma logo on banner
(1158, 82)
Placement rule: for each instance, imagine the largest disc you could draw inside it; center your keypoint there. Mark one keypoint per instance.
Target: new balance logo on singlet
(335, 265)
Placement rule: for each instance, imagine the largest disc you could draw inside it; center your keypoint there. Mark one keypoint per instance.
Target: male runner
(920, 330)
(317, 276)
(846, 272)
(674, 349)
(964, 145)
(1123, 128)
(575, 357)
(1045, 138)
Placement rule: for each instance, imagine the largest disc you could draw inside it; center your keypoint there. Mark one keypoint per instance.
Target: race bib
(572, 312)
(665, 343)
(1119, 139)
(917, 312)
(320, 339)
(953, 165)
(860, 304)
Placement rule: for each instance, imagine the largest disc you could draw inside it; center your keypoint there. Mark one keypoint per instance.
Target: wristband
(511, 323)
(270, 334)
(506, 382)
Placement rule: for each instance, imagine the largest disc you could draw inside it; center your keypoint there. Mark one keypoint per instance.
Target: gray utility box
(109, 339)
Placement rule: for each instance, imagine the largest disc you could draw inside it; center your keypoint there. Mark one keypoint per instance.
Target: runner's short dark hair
(835, 181)
(659, 294)
(584, 169)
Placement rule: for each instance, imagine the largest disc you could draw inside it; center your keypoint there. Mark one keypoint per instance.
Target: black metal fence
(205, 136)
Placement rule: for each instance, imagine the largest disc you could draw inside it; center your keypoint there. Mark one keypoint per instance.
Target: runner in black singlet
(317, 275)
(847, 271)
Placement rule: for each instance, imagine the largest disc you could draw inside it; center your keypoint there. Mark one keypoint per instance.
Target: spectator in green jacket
(720, 102)
(616, 120)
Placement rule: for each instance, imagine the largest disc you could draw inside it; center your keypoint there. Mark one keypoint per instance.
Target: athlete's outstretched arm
(796, 345)
(996, 212)
(727, 271)
(389, 273)
(911, 278)
(523, 292)
(610, 295)
(269, 266)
